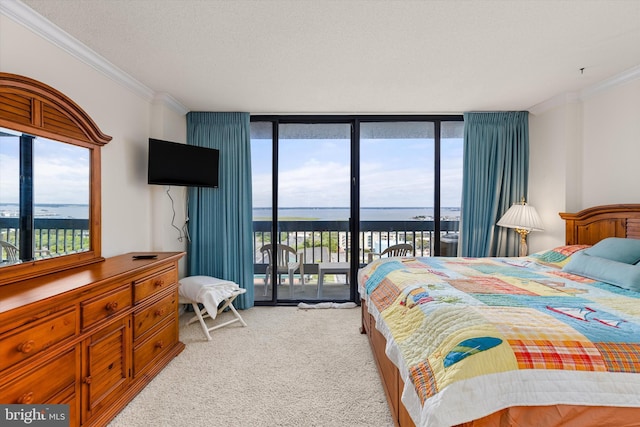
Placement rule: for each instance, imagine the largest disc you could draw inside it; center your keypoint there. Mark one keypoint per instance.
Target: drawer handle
(87, 380)
(160, 344)
(158, 283)
(26, 398)
(160, 312)
(111, 306)
(26, 347)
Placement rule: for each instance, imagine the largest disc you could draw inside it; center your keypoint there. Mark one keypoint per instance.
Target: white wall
(584, 152)
(554, 139)
(611, 168)
(128, 203)
(169, 126)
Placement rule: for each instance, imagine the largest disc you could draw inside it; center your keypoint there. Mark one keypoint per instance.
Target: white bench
(216, 295)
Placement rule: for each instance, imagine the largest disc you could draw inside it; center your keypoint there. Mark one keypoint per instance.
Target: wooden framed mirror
(50, 203)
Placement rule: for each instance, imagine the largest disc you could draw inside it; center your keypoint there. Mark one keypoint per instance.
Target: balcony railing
(52, 236)
(320, 241)
(334, 240)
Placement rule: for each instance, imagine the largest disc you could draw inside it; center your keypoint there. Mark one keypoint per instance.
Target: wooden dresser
(91, 336)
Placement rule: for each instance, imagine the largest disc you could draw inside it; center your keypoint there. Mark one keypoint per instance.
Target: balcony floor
(332, 290)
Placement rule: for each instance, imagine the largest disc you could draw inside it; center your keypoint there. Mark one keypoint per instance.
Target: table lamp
(523, 218)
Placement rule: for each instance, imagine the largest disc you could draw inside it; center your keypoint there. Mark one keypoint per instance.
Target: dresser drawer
(154, 346)
(42, 383)
(150, 285)
(146, 319)
(105, 306)
(35, 337)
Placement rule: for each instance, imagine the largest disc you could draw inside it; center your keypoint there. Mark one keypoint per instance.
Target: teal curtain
(495, 175)
(221, 219)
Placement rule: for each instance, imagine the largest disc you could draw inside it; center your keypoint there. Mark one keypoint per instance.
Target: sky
(58, 179)
(393, 172)
(313, 172)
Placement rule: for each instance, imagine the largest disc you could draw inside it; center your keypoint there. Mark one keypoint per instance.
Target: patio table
(331, 268)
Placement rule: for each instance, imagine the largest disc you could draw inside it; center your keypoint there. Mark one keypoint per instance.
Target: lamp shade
(522, 216)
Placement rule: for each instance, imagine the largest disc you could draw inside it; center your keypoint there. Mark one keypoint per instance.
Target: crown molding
(617, 80)
(586, 93)
(168, 100)
(24, 15)
(556, 101)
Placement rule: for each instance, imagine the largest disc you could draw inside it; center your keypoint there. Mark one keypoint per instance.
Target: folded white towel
(207, 290)
(328, 305)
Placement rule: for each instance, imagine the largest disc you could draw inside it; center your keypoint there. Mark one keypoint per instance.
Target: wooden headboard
(591, 225)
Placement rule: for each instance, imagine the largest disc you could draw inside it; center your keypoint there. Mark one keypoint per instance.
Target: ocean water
(48, 211)
(366, 214)
(297, 213)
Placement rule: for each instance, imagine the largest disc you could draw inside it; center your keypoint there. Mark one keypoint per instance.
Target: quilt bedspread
(473, 336)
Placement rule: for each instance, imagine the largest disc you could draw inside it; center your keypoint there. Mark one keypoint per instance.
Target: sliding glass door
(262, 161)
(410, 187)
(301, 230)
(331, 193)
(396, 186)
(314, 209)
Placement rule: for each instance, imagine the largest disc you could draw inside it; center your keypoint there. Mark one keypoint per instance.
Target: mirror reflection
(44, 198)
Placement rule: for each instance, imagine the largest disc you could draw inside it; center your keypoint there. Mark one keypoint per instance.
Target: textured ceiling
(366, 56)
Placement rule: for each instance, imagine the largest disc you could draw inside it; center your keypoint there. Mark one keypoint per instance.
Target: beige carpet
(289, 367)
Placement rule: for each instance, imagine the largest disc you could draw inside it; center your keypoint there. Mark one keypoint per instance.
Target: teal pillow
(617, 249)
(621, 274)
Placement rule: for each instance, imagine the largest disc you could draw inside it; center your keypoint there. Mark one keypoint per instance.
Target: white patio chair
(285, 254)
(401, 249)
(10, 251)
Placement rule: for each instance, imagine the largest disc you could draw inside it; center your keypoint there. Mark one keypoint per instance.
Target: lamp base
(523, 241)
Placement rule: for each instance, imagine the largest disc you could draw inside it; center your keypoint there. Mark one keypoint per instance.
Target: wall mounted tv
(171, 163)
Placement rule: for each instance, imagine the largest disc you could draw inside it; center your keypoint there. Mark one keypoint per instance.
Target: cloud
(60, 180)
(60, 172)
(393, 173)
(310, 184)
(9, 179)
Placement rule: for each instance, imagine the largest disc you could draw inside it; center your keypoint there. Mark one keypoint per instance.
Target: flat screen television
(171, 163)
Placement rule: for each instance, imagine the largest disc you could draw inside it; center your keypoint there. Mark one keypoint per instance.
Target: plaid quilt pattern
(545, 354)
(620, 357)
(423, 380)
(385, 294)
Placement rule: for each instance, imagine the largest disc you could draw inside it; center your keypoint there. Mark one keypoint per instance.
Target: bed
(543, 340)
